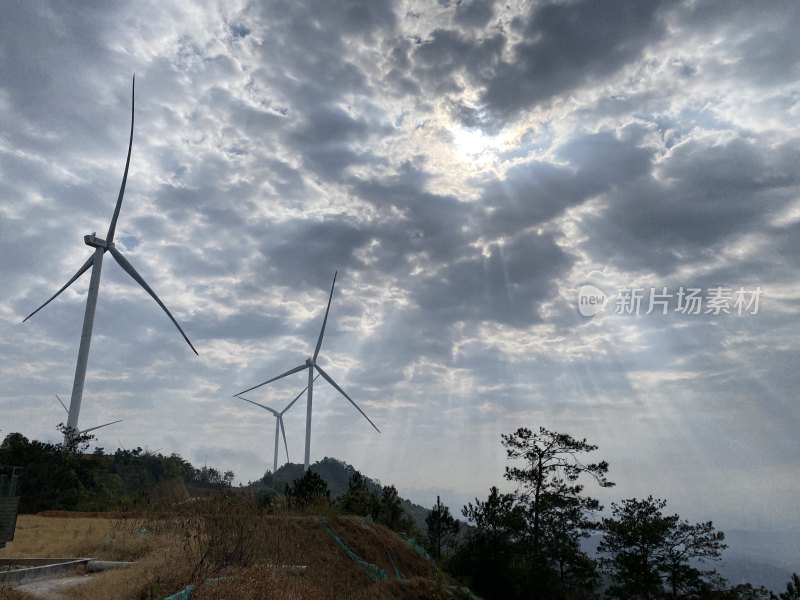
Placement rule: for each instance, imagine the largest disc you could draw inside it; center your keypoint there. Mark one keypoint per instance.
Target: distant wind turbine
(311, 364)
(95, 262)
(279, 423)
(82, 431)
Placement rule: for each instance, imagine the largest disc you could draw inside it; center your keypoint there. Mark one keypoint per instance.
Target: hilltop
(337, 475)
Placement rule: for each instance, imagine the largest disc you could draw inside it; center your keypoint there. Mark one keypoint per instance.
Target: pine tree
(442, 528)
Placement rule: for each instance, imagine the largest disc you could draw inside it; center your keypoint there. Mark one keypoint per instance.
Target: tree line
(530, 543)
(65, 476)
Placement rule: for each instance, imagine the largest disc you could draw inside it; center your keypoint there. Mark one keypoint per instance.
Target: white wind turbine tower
(82, 431)
(311, 364)
(95, 262)
(278, 423)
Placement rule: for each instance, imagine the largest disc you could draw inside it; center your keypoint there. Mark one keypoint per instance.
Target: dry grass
(152, 578)
(261, 583)
(62, 537)
(9, 593)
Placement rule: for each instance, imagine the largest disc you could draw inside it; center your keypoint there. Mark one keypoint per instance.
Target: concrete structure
(19, 571)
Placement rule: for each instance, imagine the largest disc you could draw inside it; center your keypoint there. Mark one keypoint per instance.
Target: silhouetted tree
(442, 528)
(792, 589)
(632, 538)
(565, 524)
(557, 512)
(359, 500)
(308, 491)
(687, 544)
(390, 510)
(74, 442)
(227, 478)
(743, 591)
(492, 558)
(648, 550)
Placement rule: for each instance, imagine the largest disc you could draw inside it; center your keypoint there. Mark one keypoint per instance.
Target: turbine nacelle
(96, 242)
(310, 362)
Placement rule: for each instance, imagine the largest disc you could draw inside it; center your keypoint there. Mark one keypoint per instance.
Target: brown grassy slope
(301, 541)
(381, 546)
(166, 563)
(330, 574)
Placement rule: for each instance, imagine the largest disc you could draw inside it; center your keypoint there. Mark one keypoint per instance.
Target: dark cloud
(474, 13)
(446, 53)
(326, 141)
(505, 286)
(424, 224)
(568, 45)
(705, 196)
(310, 252)
(564, 46)
(535, 192)
(759, 35)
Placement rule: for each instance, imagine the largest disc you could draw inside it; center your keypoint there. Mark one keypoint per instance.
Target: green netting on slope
(397, 572)
(424, 554)
(467, 592)
(374, 571)
(420, 550)
(186, 592)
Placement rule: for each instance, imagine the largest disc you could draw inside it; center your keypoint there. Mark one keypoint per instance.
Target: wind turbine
(95, 262)
(311, 364)
(82, 431)
(278, 423)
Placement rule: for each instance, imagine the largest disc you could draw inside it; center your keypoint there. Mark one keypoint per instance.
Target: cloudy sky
(467, 167)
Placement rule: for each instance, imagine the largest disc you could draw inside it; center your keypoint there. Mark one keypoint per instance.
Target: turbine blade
(274, 412)
(112, 228)
(297, 397)
(341, 391)
(325, 320)
(283, 432)
(89, 262)
(123, 262)
(62, 404)
(99, 426)
(281, 376)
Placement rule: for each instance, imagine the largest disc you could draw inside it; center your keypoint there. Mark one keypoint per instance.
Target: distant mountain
(765, 558)
(336, 474)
